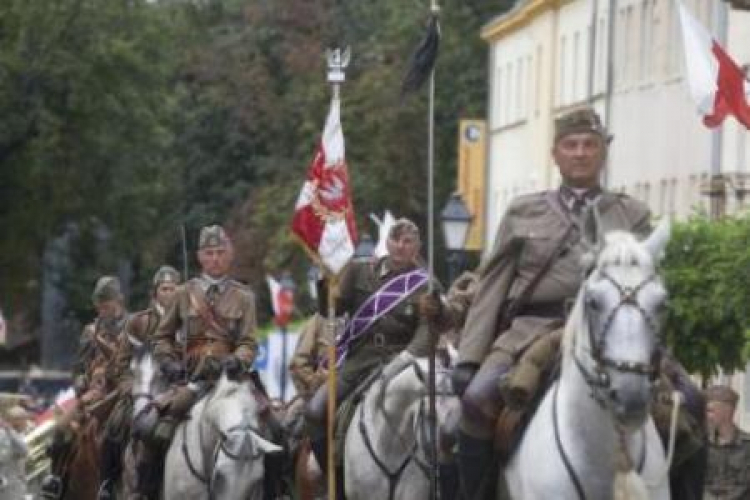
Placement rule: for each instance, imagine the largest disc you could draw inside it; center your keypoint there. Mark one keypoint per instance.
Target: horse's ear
(264, 445)
(658, 239)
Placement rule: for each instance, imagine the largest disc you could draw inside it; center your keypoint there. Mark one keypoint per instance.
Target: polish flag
(324, 216)
(718, 85)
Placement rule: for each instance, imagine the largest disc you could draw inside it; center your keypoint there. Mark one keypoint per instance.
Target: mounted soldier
(93, 373)
(210, 327)
(138, 332)
(398, 330)
(529, 281)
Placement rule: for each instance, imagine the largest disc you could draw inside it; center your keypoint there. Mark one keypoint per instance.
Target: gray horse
(387, 442)
(218, 452)
(592, 436)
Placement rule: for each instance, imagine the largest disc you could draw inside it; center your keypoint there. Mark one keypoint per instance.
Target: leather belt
(552, 310)
(208, 346)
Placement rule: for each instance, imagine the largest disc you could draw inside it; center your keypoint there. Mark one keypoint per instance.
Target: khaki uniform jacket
(728, 473)
(402, 328)
(183, 324)
(97, 352)
(313, 342)
(530, 232)
(140, 330)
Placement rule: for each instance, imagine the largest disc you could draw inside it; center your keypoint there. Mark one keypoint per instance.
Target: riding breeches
(482, 402)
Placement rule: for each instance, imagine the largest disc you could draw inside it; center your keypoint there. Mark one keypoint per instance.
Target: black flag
(423, 60)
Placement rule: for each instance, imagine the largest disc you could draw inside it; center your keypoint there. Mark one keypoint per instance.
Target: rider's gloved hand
(462, 375)
(431, 307)
(233, 366)
(172, 370)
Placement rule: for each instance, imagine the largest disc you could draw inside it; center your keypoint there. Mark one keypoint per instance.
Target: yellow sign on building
(471, 173)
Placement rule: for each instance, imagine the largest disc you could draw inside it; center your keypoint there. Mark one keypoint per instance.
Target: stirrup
(51, 487)
(105, 490)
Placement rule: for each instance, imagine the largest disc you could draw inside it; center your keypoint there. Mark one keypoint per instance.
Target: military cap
(403, 226)
(212, 236)
(722, 393)
(166, 274)
(579, 121)
(17, 412)
(106, 288)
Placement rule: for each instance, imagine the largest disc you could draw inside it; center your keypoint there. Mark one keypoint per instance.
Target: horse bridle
(206, 477)
(599, 382)
(394, 476)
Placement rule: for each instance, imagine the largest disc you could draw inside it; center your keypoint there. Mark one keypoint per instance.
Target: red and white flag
(718, 85)
(324, 215)
(282, 301)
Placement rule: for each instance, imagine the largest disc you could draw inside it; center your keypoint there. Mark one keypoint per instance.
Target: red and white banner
(324, 215)
(718, 85)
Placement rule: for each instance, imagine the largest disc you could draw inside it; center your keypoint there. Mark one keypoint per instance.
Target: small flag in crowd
(324, 215)
(718, 85)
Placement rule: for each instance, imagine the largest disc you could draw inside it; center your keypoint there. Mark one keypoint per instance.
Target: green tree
(707, 268)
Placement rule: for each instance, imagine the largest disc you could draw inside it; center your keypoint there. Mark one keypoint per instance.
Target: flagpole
(435, 469)
(338, 60)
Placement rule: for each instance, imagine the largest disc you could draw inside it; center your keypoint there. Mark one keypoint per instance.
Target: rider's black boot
(475, 467)
(320, 452)
(111, 468)
(449, 481)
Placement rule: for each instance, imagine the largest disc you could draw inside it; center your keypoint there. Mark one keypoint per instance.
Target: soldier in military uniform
(728, 475)
(401, 332)
(93, 372)
(532, 275)
(138, 332)
(305, 367)
(210, 324)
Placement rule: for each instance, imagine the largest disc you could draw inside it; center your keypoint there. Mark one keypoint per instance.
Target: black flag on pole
(423, 59)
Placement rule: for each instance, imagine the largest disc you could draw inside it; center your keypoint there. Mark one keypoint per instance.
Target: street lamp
(286, 307)
(456, 220)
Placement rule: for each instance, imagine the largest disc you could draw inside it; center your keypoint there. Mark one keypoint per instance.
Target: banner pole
(332, 403)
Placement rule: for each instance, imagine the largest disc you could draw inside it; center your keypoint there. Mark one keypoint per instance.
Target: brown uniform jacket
(140, 330)
(313, 341)
(533, 227)
(728, 473)
(97, 352)
(402, 328)
(193, 324)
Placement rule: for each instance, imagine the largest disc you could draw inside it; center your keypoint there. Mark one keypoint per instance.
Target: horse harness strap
(566, 460)
(393, 476)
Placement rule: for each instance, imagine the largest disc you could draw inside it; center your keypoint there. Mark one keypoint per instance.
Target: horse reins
(600, 381)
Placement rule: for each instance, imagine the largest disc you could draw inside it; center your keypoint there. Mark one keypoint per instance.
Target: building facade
(625, 57)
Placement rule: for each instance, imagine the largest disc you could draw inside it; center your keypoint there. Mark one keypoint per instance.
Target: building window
(498, 107)
(538, 80)
(562, 61)
(519, 89)
(672, 199)
(508, 93)
(574, 66)
(663, 197)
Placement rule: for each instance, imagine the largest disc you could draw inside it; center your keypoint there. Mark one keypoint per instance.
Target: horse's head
(407, 398)
(231, 417)
(613, 332)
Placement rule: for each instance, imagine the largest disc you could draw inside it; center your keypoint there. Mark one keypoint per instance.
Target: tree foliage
(124, 120)
(707, 268)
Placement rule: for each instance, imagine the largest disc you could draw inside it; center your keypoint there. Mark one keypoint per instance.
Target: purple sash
(378, 305)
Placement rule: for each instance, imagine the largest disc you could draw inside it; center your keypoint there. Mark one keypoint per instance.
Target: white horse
(592, 437)
(387, 442)
(218, 452)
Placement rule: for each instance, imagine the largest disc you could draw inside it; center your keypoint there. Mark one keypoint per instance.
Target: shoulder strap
(523, 298)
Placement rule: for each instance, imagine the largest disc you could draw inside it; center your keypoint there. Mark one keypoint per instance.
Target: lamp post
(286, 307)
(456, 220)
